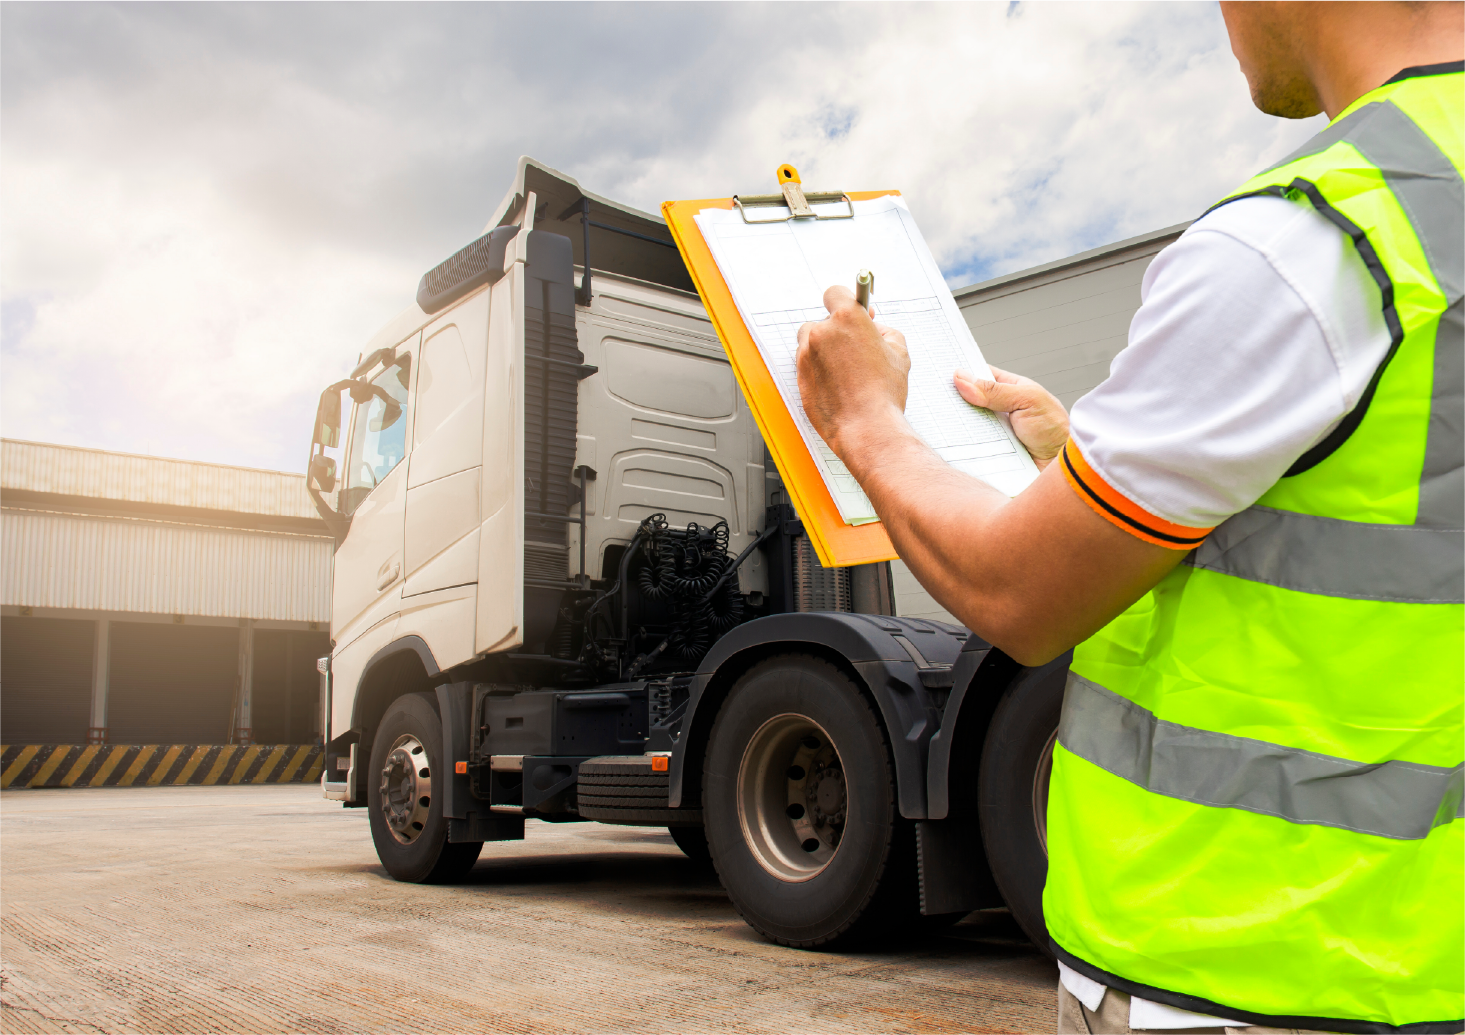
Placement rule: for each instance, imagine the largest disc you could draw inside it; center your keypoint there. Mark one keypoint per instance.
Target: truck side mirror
(328, 419)
(323, 472)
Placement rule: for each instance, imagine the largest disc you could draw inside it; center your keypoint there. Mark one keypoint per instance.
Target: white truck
(569, 587)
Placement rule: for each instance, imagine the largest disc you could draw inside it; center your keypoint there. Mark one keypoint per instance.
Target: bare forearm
(935, 515)
(1033, 575)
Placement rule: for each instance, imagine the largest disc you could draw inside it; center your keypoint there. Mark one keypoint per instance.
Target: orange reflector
(460, 767)
(659, 763)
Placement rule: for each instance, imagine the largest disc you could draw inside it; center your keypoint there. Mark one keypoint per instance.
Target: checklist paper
(778, 272)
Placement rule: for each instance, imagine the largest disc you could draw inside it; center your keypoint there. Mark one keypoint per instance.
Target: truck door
(369, 565)
(444, 483)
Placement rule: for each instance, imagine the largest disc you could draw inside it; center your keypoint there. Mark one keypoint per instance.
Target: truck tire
(799, 805)
(406, 815)
(693, 843)
(1012, 792)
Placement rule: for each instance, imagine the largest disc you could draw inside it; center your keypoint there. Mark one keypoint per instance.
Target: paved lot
(263, 909)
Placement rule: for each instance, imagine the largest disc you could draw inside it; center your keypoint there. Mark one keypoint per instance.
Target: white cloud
(207, 211)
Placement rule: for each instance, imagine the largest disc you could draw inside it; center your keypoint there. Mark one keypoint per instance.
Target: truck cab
(569, 587)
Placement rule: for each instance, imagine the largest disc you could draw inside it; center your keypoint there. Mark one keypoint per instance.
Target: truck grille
(546, 562)
(817, 588)
(469, 268)
(551, 404)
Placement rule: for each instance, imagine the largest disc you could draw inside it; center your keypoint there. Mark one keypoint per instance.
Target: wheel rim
(1042, 777)
(406, 789)
(792, 798)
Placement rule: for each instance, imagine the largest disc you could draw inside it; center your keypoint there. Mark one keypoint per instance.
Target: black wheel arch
(982, 676)
(404, 666)
(864, 647)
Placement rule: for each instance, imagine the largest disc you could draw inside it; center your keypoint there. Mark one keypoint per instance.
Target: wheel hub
(406, 789)
(825, 797)
(792, 797)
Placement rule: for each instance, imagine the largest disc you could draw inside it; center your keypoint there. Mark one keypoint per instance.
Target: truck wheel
(692, 841)
(406, 814)
(799, 807)
(1012, 792)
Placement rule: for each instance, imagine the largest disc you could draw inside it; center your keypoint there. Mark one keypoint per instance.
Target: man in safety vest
(1252, 534)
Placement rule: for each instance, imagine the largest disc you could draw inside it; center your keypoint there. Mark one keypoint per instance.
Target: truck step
(624, 789)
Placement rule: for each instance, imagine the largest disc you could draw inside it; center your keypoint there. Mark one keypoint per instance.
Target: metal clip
(793, 197)
(793, 191)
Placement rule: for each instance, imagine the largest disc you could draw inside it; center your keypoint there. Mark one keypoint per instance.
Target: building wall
(126, 563)
(1060, 324)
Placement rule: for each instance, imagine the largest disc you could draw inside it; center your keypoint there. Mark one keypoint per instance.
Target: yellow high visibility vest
(1256, 794)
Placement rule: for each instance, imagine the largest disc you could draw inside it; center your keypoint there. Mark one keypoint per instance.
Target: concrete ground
(263, 909)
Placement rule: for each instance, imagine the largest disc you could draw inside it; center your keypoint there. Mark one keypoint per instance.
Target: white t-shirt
(1259, 330)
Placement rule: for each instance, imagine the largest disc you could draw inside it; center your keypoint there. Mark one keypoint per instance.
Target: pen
(864, 288)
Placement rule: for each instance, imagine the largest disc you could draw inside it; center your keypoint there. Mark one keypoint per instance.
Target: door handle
(388, 576)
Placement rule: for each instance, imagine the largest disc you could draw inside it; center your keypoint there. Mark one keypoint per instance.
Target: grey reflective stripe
(1354, 559)
(1428, 188)
(1442, 479)
(1402, 800)
(1327, 138)
(1427, 185)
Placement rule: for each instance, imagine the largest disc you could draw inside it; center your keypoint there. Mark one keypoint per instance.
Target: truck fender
(868, 648)
(955, 871)
(982, 674)
(361, 703)
(455, 706)
(381, 682)
(979, 676)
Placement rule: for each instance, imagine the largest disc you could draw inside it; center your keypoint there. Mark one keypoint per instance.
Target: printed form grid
(943, 419)
(778, 336)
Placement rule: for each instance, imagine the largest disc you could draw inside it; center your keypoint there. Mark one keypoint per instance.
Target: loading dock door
(172, 684)
(287, 686)
(46, 680)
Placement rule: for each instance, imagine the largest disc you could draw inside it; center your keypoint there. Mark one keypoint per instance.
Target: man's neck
(1342, 71)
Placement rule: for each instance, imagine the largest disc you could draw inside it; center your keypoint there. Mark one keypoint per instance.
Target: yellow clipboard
(836, 543)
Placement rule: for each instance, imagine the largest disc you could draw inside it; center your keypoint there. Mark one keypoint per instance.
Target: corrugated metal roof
(117, 564)
(103, 475)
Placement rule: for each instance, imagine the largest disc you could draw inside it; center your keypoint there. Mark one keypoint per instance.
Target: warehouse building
(153, 601)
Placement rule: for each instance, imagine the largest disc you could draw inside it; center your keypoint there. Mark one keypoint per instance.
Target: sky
(207, 209)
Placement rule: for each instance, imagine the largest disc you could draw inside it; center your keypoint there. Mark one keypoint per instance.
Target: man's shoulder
(1256, 246)
(1265, 223)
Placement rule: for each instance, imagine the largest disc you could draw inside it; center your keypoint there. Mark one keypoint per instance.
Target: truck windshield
(378, 435)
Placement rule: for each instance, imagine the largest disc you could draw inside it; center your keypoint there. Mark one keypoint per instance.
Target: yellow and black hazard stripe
(152, 765)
